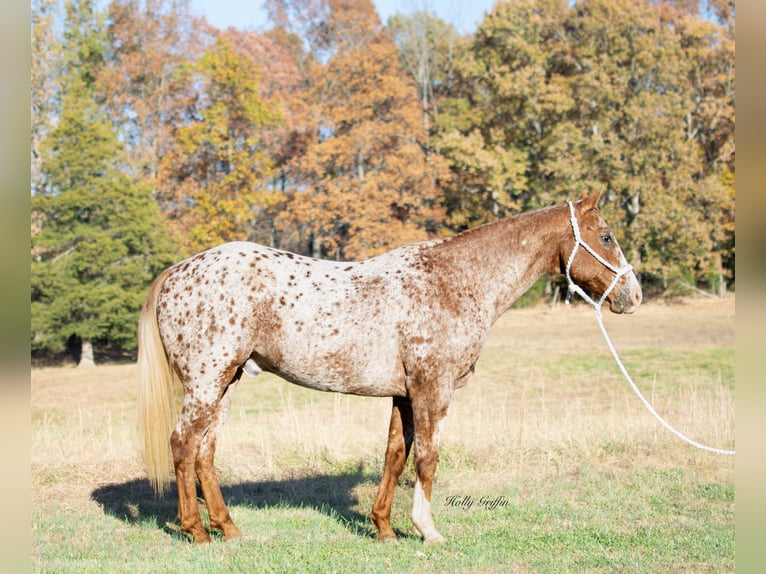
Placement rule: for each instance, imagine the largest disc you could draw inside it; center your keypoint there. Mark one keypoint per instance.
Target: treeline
(155, 135)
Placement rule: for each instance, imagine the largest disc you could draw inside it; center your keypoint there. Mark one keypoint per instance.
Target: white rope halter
(618, 272)
(574, 288)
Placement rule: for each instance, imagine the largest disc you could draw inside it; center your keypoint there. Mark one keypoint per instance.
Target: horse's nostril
(637, 297)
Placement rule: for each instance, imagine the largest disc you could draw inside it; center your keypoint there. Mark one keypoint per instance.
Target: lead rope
(573, 288)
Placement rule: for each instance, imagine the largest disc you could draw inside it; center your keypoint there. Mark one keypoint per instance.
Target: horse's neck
(502, 260)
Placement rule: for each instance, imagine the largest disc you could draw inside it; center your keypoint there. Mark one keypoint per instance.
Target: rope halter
(618, 272)
(572, 286)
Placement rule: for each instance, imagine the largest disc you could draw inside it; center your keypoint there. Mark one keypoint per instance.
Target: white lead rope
(597, 307)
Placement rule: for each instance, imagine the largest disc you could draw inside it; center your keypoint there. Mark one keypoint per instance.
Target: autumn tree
(634, 91)
(98, 239)
(709, 49)
(46, 55)
(279, 58)
(511, 94)
(427, 49)
(214, 177)
(365, 182)
(593, 96)
(333, 135)
(148, 42)
(325, 27)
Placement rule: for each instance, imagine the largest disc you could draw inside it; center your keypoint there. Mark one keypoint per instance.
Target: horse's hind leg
(400, 435)
(220, 518)
(185, 442)
(193, 444)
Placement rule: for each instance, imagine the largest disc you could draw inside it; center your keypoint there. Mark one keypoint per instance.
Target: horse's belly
(340, 372)
(362, 387)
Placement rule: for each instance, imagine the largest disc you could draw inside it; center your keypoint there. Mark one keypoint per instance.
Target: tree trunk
(86, 356)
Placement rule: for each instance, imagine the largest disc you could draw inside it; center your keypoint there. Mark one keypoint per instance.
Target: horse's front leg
(429, 414)
(400, 436)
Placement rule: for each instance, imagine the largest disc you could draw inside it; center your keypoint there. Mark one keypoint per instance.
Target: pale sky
(249, 14)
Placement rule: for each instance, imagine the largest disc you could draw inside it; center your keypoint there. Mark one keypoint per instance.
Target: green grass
(647, 520)
(650, 362)
(589, 481)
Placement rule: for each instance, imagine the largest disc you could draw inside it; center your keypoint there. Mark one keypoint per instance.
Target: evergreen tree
(98, 240)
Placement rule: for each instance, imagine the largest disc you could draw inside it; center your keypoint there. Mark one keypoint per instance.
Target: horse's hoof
(434, 540)
(201, 538)
(232, 534)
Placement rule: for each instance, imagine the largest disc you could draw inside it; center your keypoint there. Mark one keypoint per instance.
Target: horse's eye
(606, 238)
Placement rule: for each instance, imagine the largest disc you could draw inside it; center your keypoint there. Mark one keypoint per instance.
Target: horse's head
(594, 262)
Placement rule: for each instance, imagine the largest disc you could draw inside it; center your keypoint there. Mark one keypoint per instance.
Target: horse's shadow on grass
(333, 495)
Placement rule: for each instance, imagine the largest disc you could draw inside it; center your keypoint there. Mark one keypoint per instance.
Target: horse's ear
(589, 202)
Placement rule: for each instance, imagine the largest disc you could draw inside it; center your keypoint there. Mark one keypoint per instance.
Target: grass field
(549, 462)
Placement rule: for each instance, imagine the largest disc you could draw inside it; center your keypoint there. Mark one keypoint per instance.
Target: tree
(46, 55)
(614, 95)
(213, 179)
(98, 239)
(325, 26)
(148, 42)
(634, 103)
(511, 92)
(279, 58)
(427, 49)
(708, 47)
(365, 182)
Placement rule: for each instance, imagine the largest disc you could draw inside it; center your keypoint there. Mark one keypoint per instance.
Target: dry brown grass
(546, 399)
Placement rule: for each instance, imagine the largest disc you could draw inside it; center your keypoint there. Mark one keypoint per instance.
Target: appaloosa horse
(408, 324)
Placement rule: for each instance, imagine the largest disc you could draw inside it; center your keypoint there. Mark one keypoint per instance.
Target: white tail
(156, 411)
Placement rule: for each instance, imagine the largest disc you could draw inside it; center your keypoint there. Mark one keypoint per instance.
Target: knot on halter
(572, 287)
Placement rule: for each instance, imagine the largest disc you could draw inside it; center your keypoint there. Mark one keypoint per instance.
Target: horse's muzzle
(627, 297)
